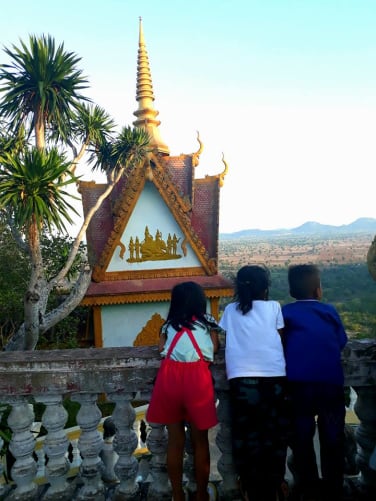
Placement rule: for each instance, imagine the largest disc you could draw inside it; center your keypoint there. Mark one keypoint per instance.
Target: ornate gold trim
(146, 297)
(174, 201)
(98, 331)
(110, 276)
(220, 177)
(127, 201)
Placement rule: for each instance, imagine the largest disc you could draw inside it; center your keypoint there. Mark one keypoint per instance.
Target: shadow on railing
(120, 467)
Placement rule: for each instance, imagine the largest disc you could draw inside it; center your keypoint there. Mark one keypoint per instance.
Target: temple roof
(150, 290)
(193, 203)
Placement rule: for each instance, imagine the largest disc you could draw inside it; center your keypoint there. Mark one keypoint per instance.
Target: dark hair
(188, 303)
(252, 282)
(304, 280)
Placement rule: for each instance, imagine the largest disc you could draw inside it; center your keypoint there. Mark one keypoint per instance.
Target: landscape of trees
(47, 126)
(345, 278)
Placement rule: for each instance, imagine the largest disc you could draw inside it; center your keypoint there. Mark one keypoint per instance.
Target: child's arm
(162, 342)
(215, 340)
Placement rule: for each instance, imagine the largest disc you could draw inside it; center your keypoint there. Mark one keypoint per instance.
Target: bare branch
(76, 244)
(78, 155)
(70, 303)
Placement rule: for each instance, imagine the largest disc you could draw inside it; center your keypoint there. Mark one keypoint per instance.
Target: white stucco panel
(121, 323)
(152, 239)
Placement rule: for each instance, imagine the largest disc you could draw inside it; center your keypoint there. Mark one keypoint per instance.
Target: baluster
(365, 409)
(108, 455)
(156, 441)
(22, 446)
(125, 443)
(90, 445)
(55, 447)
(228, 487)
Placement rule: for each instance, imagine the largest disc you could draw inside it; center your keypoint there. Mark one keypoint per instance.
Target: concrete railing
(124, 376)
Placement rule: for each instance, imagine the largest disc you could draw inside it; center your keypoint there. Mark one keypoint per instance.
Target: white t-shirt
(253, 344)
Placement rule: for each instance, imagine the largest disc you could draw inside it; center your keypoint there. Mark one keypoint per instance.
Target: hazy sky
(285, 88)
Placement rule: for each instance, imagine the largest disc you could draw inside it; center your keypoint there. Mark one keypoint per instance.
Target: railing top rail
(131, 369)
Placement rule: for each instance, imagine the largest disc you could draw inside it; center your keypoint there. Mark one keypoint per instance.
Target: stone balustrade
(124, 375)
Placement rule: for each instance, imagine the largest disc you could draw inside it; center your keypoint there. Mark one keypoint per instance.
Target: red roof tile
(123, 287)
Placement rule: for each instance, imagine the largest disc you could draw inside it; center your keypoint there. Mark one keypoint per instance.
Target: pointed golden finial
(141, 40)
(146, 114)
(196, 155)
(222, 174)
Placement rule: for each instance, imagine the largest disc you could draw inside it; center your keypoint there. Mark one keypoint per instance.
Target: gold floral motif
(149, 335)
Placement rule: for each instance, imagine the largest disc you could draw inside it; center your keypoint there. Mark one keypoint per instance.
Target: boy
(313, 339)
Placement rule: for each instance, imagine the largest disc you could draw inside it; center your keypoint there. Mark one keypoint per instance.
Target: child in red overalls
(183, 391)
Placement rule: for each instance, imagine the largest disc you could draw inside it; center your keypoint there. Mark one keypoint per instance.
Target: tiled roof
(205, 212)
(214, 286)
(202, 195)
(100, 226)
(181, 172)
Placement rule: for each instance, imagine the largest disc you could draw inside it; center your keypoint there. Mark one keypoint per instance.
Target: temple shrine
(159, 227)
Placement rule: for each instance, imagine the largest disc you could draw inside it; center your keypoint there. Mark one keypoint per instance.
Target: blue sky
(285, 88)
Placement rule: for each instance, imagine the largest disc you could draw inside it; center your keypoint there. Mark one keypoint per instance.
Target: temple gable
(158, 228)
(152, 238)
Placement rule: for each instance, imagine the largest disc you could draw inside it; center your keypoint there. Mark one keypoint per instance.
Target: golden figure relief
(153, 248)
(149, 335)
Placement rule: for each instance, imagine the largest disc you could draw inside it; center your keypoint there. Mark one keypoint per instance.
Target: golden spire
(146, 114)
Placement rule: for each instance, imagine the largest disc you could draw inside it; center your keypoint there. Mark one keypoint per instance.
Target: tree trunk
(36, 321)
(34, 299)
(39, 129)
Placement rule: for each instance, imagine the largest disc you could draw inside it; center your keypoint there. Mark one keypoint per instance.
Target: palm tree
(91, 126)
(42, 97)
(41, 88)
(113, 157)
(32, 189)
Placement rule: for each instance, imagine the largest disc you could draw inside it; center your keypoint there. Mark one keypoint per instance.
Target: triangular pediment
(152, 235)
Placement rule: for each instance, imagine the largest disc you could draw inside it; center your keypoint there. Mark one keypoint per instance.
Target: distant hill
(361, 225)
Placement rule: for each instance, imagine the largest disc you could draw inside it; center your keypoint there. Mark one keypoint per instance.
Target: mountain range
(361, 225)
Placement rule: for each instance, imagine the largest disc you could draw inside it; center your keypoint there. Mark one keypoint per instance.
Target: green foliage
(41, 78)
(348, 287)
(65, 334)
(127, 149)
(92, 123)
(55, 250)
(32, 188)
(14, 275)
(41, 100)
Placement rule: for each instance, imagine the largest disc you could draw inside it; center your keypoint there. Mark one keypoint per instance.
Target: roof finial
(146, 114)
(222, 174)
